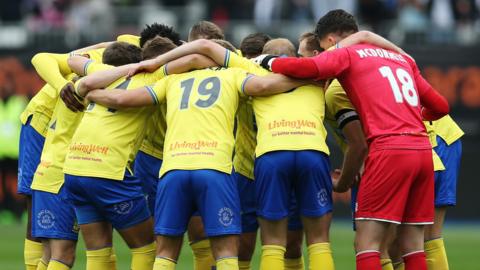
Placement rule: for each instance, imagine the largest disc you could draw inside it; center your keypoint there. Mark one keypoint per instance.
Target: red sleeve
(323, 66)
(301, 68)
(435, 106)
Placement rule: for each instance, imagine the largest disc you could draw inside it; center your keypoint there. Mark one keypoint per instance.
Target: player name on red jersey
(370, 52)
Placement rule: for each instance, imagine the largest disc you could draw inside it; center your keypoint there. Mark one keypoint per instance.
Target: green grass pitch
(462, 242)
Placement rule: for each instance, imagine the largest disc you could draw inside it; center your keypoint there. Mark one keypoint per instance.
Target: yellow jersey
(111, 149)
(40, 108)
(445, 128)
(63, 123)
(288, 121)
(155, 133)
(339, 111)
(49, 176)
(245, 139)
(201, 108)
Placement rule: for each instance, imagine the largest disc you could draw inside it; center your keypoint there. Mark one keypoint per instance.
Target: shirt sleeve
(159, 91)
(233, 60)
(434, 105)
(92, 67)
(323, 66)
(338, 105)
(331, 64)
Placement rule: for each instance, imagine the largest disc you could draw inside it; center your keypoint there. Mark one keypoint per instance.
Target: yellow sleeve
(240, 77)
(158, 91)
(131, 39)
(96, 55)
(338, 105)
(52, 68)
(160, 73)
(233, 60)
(92, 67)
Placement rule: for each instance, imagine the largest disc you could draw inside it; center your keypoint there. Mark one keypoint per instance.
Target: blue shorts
(30, 151)
(294, 219)
(121, 203)
(246, 192)
(446, 181)
(53, 216)
(214, 194)
(306, 173)
(146, 168)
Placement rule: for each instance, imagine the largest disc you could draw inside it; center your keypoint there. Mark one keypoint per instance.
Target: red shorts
(397, 187)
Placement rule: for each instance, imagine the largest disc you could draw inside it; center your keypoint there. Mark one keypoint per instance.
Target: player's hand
(339, 185)
(144, 66)
(265, 60)
(67, 94)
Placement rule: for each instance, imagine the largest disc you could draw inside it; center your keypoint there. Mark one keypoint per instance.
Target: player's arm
(52, 68)
(119, 98)
(101, 79)
(100, 45)
(201, 46)
(189, 62)
(434, 105)
(370, 38)
(323, 66)
(354, 157)
(269, 85)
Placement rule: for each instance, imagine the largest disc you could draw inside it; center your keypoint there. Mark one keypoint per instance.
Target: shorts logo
(225, 216)
(322, 197)
(46, 219)
(123, 208)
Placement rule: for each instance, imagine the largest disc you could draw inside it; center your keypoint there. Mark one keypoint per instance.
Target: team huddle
(156, 137)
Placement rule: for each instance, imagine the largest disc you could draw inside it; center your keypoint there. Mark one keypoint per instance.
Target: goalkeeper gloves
(265, 60)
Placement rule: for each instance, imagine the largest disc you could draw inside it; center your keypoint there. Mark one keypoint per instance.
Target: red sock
(369, 260)
(415, 261)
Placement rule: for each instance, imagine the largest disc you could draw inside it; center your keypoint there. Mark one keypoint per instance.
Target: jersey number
(408, 91)
(209, 88)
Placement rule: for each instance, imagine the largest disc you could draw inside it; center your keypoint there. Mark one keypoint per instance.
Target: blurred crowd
(380, 15)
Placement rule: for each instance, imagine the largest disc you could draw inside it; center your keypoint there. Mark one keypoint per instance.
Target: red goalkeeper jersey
(386, 89)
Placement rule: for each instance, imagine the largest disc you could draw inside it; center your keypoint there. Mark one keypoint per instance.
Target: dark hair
(311, 42)
(121, 53)
(206, 30)
(161, 30)
(252, 45)
(157, 46)
(336, 21)
(227, 45)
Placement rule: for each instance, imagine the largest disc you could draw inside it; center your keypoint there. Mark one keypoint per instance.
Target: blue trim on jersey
(152, 94)
(226, 60)
(165, 71)
(245, 81)
(85, 67)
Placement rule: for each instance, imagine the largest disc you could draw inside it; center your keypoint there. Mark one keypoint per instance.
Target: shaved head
(279, 46)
